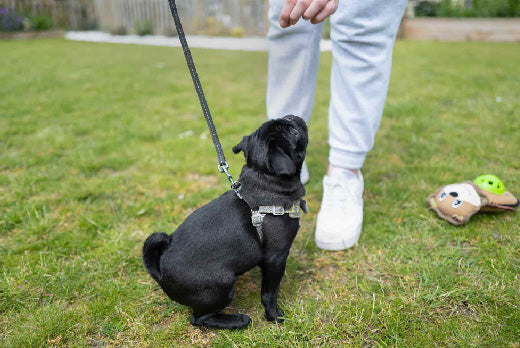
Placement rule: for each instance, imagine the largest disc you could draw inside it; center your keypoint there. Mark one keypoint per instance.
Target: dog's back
(217, 241)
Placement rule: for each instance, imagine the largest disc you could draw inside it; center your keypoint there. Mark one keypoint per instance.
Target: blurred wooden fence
(71, 14)
(211, 17)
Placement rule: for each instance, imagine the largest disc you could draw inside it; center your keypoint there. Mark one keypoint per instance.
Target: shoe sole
(336, 246)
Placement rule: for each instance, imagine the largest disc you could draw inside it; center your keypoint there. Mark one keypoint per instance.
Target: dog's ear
(242, 146)
(281, 163)
(303, 205)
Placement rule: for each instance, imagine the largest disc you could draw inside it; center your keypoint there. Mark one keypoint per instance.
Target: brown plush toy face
(458, 202)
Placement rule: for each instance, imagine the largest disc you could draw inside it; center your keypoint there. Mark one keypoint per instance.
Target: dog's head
(277, 147)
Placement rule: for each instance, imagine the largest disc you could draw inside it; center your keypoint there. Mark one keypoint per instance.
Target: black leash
(223, 167)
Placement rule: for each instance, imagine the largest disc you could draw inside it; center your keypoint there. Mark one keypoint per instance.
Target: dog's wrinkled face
(277, 148)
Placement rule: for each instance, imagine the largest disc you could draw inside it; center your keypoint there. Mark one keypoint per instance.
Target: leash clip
(224, 168)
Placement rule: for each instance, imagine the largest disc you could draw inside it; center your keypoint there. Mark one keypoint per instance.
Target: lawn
(101, 145)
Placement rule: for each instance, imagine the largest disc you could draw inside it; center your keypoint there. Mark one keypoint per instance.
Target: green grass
(100, 145)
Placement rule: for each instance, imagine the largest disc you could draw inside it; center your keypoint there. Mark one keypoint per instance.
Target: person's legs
(363, 34)
(293, 66)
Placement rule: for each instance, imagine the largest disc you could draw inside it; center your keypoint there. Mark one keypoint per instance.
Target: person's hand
(314, 10)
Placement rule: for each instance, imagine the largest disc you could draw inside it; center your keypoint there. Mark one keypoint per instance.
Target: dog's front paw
(274, 315)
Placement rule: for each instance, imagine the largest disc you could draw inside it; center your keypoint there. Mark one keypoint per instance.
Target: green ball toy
(490, 183)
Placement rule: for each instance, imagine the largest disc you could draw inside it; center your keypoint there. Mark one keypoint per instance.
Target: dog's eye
(442, 196)
(294, 132)
(456, 203)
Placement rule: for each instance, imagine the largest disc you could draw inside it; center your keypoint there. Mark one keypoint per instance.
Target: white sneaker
(304, 175)
(341, 214)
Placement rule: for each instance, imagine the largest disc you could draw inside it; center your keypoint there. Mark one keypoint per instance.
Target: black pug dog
(198, 264)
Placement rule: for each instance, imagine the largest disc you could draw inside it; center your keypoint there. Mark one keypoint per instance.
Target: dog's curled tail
(153, 248)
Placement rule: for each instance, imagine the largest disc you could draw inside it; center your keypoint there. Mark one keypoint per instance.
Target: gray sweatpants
(363, 34)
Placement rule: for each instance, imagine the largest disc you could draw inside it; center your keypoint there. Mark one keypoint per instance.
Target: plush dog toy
(457, 203)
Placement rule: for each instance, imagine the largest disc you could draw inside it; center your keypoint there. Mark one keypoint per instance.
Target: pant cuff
(346, 159)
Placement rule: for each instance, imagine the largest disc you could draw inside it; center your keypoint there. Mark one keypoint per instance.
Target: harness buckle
(257, 218)
(295, 213)
(278, 210)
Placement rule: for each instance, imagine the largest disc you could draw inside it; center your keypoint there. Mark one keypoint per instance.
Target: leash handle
(223, 166)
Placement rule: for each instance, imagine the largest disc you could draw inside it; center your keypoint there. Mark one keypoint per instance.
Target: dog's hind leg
(209, 315)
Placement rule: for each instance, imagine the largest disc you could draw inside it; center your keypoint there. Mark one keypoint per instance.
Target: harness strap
(294, 212)
(258, 215)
